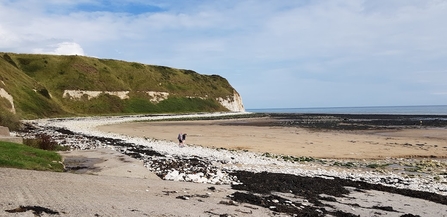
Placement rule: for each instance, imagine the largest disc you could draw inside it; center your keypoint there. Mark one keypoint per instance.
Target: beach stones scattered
(278, 184)
(174, 168)
(197, 164)
(190, 169)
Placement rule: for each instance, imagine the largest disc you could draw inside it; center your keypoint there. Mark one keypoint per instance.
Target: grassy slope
(24, 157)
(29, 101)
(37, 83)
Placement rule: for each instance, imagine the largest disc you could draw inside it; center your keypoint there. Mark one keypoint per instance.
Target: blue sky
(289, 53)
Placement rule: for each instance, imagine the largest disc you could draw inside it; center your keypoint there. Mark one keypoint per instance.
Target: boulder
(6, 136)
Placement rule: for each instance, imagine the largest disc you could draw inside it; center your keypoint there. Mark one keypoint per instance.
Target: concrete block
(11, 139)
(4, 131)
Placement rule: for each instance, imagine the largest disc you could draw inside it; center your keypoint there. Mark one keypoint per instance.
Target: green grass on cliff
(37, 83)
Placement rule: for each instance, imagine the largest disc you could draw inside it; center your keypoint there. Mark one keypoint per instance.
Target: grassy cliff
(38, 85)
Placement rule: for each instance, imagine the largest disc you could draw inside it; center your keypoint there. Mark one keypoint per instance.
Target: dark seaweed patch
(37, 210)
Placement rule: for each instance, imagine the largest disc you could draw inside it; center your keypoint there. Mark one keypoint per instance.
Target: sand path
(294, 141)
(112, 184)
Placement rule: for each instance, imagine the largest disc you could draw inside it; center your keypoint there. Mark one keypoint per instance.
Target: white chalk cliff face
(7, 96)
(77, 94)
(232, 103)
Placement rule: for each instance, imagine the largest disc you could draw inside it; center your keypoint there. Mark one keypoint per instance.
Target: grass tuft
(20, 156)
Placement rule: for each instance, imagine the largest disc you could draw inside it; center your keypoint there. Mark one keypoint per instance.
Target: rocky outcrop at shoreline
(274, 183)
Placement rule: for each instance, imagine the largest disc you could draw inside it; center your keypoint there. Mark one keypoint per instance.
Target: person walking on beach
(180, 139)
(183, 138)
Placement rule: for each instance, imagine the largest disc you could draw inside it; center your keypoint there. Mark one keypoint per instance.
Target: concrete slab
(4, 131)
(11, 139)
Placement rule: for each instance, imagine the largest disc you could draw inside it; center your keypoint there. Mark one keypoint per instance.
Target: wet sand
(254, 135)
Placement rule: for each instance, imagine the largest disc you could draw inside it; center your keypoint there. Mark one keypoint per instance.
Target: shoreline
(254, 174)
(268, 135)
(144, 148)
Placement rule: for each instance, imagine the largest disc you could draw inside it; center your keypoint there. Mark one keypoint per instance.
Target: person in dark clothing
(181, 139)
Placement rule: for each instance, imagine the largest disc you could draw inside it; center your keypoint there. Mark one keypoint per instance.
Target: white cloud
(69, 48)
(64, 48)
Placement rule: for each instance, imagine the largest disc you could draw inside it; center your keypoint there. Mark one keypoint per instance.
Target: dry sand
(294, 141)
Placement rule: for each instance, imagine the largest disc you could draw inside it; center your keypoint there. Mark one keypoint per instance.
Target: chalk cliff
(34, 85)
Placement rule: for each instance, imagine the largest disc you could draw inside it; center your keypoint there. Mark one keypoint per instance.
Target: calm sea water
(401, 110)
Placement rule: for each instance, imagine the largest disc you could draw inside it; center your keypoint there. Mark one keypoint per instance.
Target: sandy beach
(104, 180)
(358, 144)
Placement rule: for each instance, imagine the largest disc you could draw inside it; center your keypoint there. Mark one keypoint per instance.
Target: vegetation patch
(45, 142)
(20, 156)
(345, 164)
(291, 158)
(377, 165)
(37, 83)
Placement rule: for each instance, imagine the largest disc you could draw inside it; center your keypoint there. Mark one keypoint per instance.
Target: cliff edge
(38, 86)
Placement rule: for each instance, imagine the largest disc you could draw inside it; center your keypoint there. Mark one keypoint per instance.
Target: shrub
(44, 142)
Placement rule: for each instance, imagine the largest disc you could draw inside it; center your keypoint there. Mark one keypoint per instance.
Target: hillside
(38, 86)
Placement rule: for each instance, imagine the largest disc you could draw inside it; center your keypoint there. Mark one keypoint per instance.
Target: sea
(392, 110)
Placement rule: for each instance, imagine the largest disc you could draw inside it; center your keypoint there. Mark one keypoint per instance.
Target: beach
(252, 135)
(236, 166)
(111, 184)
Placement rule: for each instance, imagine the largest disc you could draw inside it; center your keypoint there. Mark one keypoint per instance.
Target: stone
(5, 136)
(12, 139)
(4, 131)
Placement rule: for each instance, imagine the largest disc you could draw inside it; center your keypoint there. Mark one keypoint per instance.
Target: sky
(276, 54)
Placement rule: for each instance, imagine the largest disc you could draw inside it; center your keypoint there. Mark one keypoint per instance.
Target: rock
(174, 176)
(5, 136)
(4, 131)
(184, 197)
